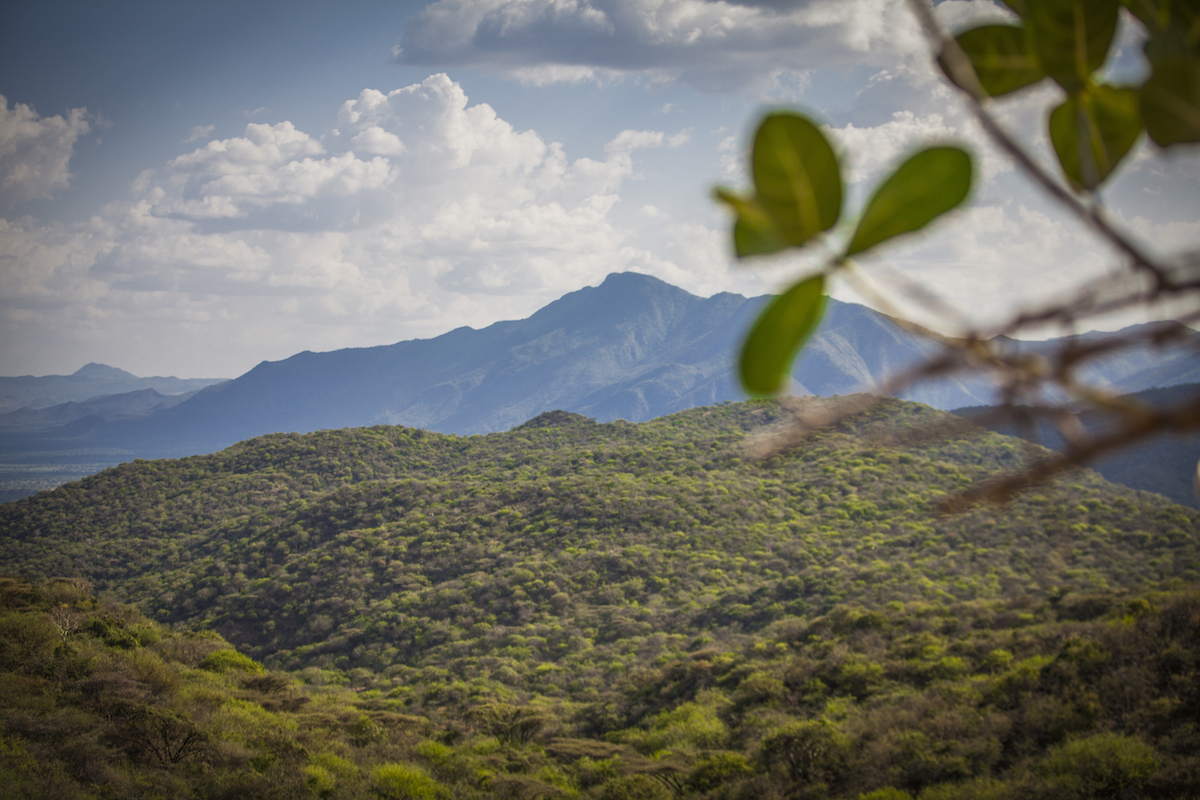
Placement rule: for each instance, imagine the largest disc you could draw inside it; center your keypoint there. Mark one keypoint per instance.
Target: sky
(192, 188)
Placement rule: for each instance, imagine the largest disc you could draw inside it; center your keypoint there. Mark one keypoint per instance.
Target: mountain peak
(632, 279)
(557, 419)
(92, 370)
(637, 283)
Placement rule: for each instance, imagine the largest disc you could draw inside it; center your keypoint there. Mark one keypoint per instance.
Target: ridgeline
(640, 610)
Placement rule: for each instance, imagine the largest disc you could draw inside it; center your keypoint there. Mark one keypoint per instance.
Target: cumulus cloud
(199, 132)
(418, 213)
(714, 44)
(35, 151)
(268, 165)
(882, 145)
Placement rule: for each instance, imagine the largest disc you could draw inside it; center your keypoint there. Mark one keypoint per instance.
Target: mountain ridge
(89, 382)
(368, 525)
(633, 347)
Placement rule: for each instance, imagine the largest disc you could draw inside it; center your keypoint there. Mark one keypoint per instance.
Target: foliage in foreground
(1081, 696)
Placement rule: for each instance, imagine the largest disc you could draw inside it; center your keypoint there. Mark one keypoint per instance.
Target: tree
(796, 202)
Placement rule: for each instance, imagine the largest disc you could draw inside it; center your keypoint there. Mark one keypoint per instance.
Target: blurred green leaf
(921, 189)
(1093, 130)
(1159, 15)
(796, 176)
(1071, 38)
(1002, 56)
(778, 334)
(1170, 99)
(754, 232)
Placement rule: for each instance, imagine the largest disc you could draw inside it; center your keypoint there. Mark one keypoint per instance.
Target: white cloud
(35, 151)
(270, 164)
(988, 259)
(376, 140)
(960, 15)
(199, 132)
(873, 149)
(425, 212)
(713, 44)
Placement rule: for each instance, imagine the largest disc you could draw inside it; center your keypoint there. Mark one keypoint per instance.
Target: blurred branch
(1019, 374)
(1033, 383)
(1091, 213)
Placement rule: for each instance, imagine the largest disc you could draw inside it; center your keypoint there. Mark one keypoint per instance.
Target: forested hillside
(566, 547)
(573, 609)
(1080, 696)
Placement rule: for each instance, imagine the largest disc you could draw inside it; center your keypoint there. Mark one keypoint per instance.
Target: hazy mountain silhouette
(633, 348)
(1165, 464)
(88, 382)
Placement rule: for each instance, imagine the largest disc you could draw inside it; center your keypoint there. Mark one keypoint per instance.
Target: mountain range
(633, 348)
(89, 382)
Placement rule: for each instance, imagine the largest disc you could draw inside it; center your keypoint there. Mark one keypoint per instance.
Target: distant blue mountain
(633, 348)
(88, 382)
(1165, 464)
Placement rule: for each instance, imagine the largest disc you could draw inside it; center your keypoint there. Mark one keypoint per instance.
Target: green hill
(1083, 696)
(558, 555)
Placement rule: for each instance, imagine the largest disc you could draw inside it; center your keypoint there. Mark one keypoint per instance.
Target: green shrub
(405, 782)
(886, 793)
(26, 641)
(231, 661)
(634, 787)
(334, 764)
(978, 789)
(320, 780)
(1106, 765)
(713, 770)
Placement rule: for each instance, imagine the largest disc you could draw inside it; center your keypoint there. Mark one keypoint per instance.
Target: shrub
(1101, 766)
(231, 661)
(405, 782)
(320, 780)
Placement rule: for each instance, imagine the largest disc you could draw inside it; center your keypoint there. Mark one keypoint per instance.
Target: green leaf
(796, 176)
(1002, 56)
(1170, 99)
(921, 189)
(1071, 37)
(754, 231)
(1093, 130)
(778, 334)
(1158, 15)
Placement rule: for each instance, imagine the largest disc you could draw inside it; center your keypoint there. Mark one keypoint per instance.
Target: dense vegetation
(609, 610)
(568, 547)
(1080, 696)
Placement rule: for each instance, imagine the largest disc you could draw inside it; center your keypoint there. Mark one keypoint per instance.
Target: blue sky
(190, 189)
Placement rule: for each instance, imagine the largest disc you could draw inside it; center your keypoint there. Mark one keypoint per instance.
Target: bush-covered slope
(568, 547)
(1080, 696)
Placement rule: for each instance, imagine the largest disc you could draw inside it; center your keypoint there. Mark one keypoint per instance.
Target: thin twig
(964, 78)
(1023, 374)
(1179, 419)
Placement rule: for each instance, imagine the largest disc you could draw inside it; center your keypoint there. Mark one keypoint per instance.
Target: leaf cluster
(797, 197)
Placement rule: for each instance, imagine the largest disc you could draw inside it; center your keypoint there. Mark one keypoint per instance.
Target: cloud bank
(414, 211)
(418, 212)
(35, 151)
(715, 45)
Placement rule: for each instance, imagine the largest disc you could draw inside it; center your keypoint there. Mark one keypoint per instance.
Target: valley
(608, 610)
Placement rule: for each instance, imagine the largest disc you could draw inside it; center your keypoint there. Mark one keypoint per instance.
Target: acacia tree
(796, 202)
